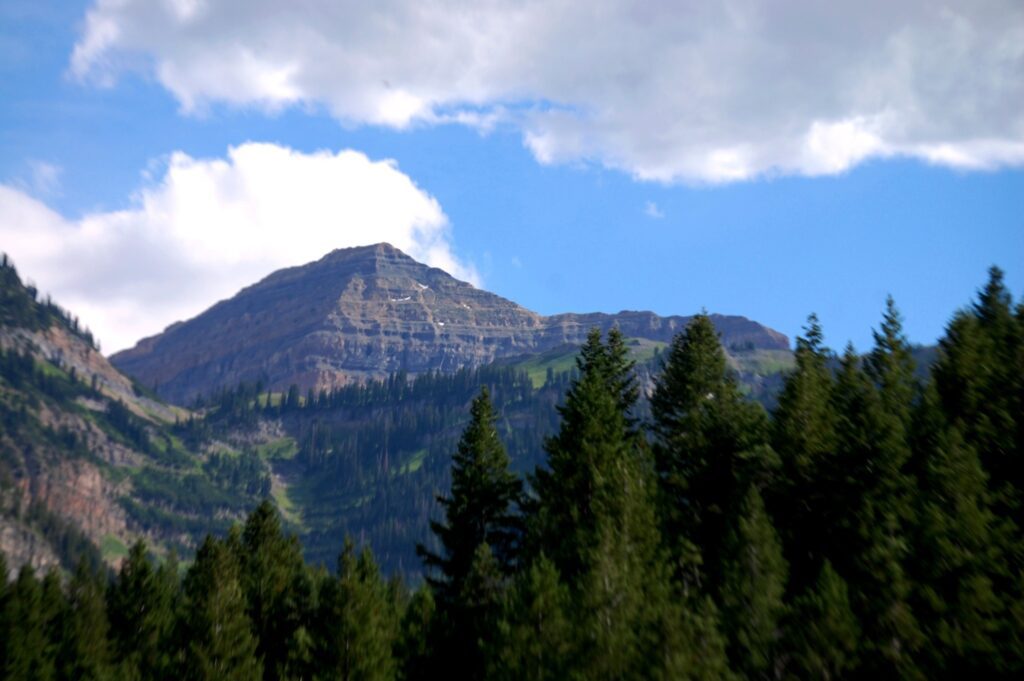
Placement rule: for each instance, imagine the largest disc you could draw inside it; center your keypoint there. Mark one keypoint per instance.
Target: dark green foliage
(957, 558)
(484, 494)
(272, 578)
(822, 633)
(753, 585)
(706, 447)
(20, 306)
(221, 645)
(413, 650)
(535, 639)
(479, 537)
(141, 606)
(892, 497)
(27, 646)
(876, 529)
(357, 628)
(85, 651)
(810, 491)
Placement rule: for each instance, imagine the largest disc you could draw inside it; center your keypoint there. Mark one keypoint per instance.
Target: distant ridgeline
(868, 527)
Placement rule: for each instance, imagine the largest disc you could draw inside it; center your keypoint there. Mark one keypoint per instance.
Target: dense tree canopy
(869, 528)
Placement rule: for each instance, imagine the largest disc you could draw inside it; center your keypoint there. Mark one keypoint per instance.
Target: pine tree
(753, 586)
(54, 615)
(478, 513)
(27, 645)
(535, 639)
(413, 649)
(220, 641)
(594, 517)
(85, 653)
(807, 498)
(956, 554)
(271, 567)
(875, 530)
(479, 510)
(822, 632)
(706, 446)
(479, 608)
(141, 612)
(356, 627)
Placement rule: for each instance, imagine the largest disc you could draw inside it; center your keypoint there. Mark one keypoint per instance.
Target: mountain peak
(365, 312)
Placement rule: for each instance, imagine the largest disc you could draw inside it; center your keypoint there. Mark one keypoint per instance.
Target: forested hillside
(867, 527)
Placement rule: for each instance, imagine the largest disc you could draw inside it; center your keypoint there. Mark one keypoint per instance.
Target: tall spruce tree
(413, 648)
(807, 498)
(753, 586)
(356, 627)
(85, 652)
(875, 529)
(594, 517)
(478, 513)
(28, 650)
(271, 577)
(535, 640)
(706, 446)
(480, 509)
(822, 633)
(141, 606)
(221, 645)
(957, 557)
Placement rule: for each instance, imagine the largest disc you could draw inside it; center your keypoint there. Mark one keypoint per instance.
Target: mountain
(365, 313)
(89, 460)
(92, 460)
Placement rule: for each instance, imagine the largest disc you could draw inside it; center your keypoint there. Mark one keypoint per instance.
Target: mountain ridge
(365, 312)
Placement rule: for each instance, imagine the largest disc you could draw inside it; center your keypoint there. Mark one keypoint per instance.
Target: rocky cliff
(366, 312)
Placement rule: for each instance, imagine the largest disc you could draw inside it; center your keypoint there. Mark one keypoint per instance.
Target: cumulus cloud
(668, 91)
(207, 227)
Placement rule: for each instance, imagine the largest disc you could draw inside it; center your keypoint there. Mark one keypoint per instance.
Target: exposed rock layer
(363, 313)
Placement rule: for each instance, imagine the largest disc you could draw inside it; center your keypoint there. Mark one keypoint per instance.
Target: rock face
(366, 312)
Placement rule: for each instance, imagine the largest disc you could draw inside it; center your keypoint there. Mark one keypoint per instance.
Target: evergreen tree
(85, 653)
(594, 516)
(27, 647)
(271, 577)
(479, 510)
(220, 641)
(535, 639)
(477, 514)
(413, 648)
(957, 555)
(357, 629)
(141, 603)
(706, 446)
(875, 532)
(822, 633)
(754, 583)
(808, 497)
(54, 615)
(980, 380)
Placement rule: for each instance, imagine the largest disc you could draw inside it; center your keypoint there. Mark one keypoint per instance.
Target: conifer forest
(868, 524)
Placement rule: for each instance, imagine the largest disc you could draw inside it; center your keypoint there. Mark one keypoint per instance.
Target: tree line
(869, 527)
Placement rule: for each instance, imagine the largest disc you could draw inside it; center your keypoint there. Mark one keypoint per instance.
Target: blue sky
(555, 188)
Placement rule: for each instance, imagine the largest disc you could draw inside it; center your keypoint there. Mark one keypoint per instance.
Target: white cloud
(652, 211)
(208, 227)
(668, 91)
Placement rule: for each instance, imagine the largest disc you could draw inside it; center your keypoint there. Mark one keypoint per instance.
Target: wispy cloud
(652, 211)
(684, 91)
